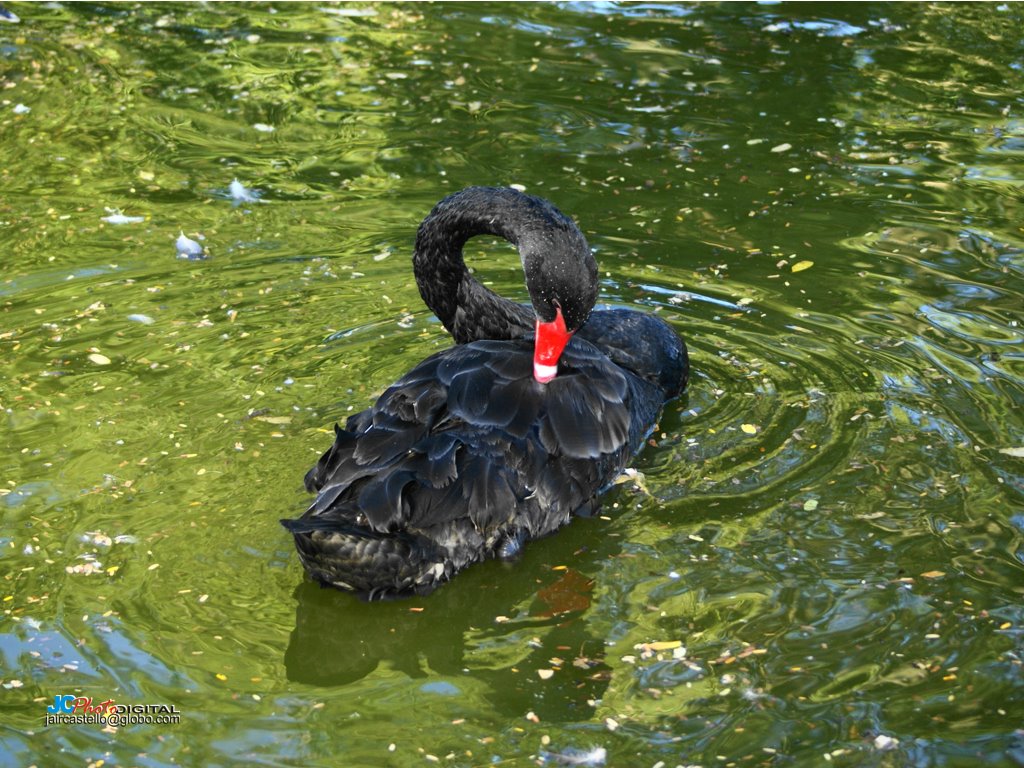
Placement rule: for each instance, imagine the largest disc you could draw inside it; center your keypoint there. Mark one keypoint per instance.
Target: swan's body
(493, 442)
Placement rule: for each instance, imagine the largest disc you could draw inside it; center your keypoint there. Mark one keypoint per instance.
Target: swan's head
(561, 276)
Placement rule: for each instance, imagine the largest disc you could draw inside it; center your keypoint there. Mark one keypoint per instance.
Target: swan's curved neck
(467, 309)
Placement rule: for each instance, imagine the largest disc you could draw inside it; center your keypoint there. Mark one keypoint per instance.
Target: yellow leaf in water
(800, 266)
(662, 645)
(933, 574)
(220, 676)
(99, 359)
(750, 429)
(275, 419)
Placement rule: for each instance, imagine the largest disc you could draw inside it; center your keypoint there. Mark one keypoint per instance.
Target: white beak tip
(544, 373)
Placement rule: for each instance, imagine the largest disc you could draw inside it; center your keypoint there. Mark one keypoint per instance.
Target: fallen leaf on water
(571, 592)
(274, 419)
(750, 429)
(545, 674)
(660, 645)
(99, 359)
(810, 505)
(782, 147)
(1018, 452)
(933, 574)
(800, 266)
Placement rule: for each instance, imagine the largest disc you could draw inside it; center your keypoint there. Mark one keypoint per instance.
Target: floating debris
(21, 109)
(116, 217)
(274, 419)
(826, 28)
(658, 645)
(631, 475)
(144, 319)
(884, 742)
(242, 194)
(800, 266)
(749, 429)
(9, 16)
(782, 148)
(350, 11)
(89, 567)
(188, 248)
(97, 538)
(263, 127)
(595, 756)
(99, 359)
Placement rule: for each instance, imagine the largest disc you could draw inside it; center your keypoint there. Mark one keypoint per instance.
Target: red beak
(549, 342)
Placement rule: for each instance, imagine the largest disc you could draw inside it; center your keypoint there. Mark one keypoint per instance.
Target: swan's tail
(371, 564)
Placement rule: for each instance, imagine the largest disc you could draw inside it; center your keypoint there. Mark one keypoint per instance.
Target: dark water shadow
(526, 612)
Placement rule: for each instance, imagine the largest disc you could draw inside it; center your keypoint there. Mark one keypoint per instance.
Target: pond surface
(827, 565)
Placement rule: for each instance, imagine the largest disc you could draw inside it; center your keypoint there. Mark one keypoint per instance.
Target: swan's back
(467, 457)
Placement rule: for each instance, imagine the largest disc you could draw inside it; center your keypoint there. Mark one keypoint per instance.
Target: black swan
(501, 438)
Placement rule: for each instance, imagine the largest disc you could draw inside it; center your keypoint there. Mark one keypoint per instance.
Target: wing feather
(468, 438)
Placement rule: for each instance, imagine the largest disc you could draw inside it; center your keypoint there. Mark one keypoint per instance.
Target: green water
(826, 200)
